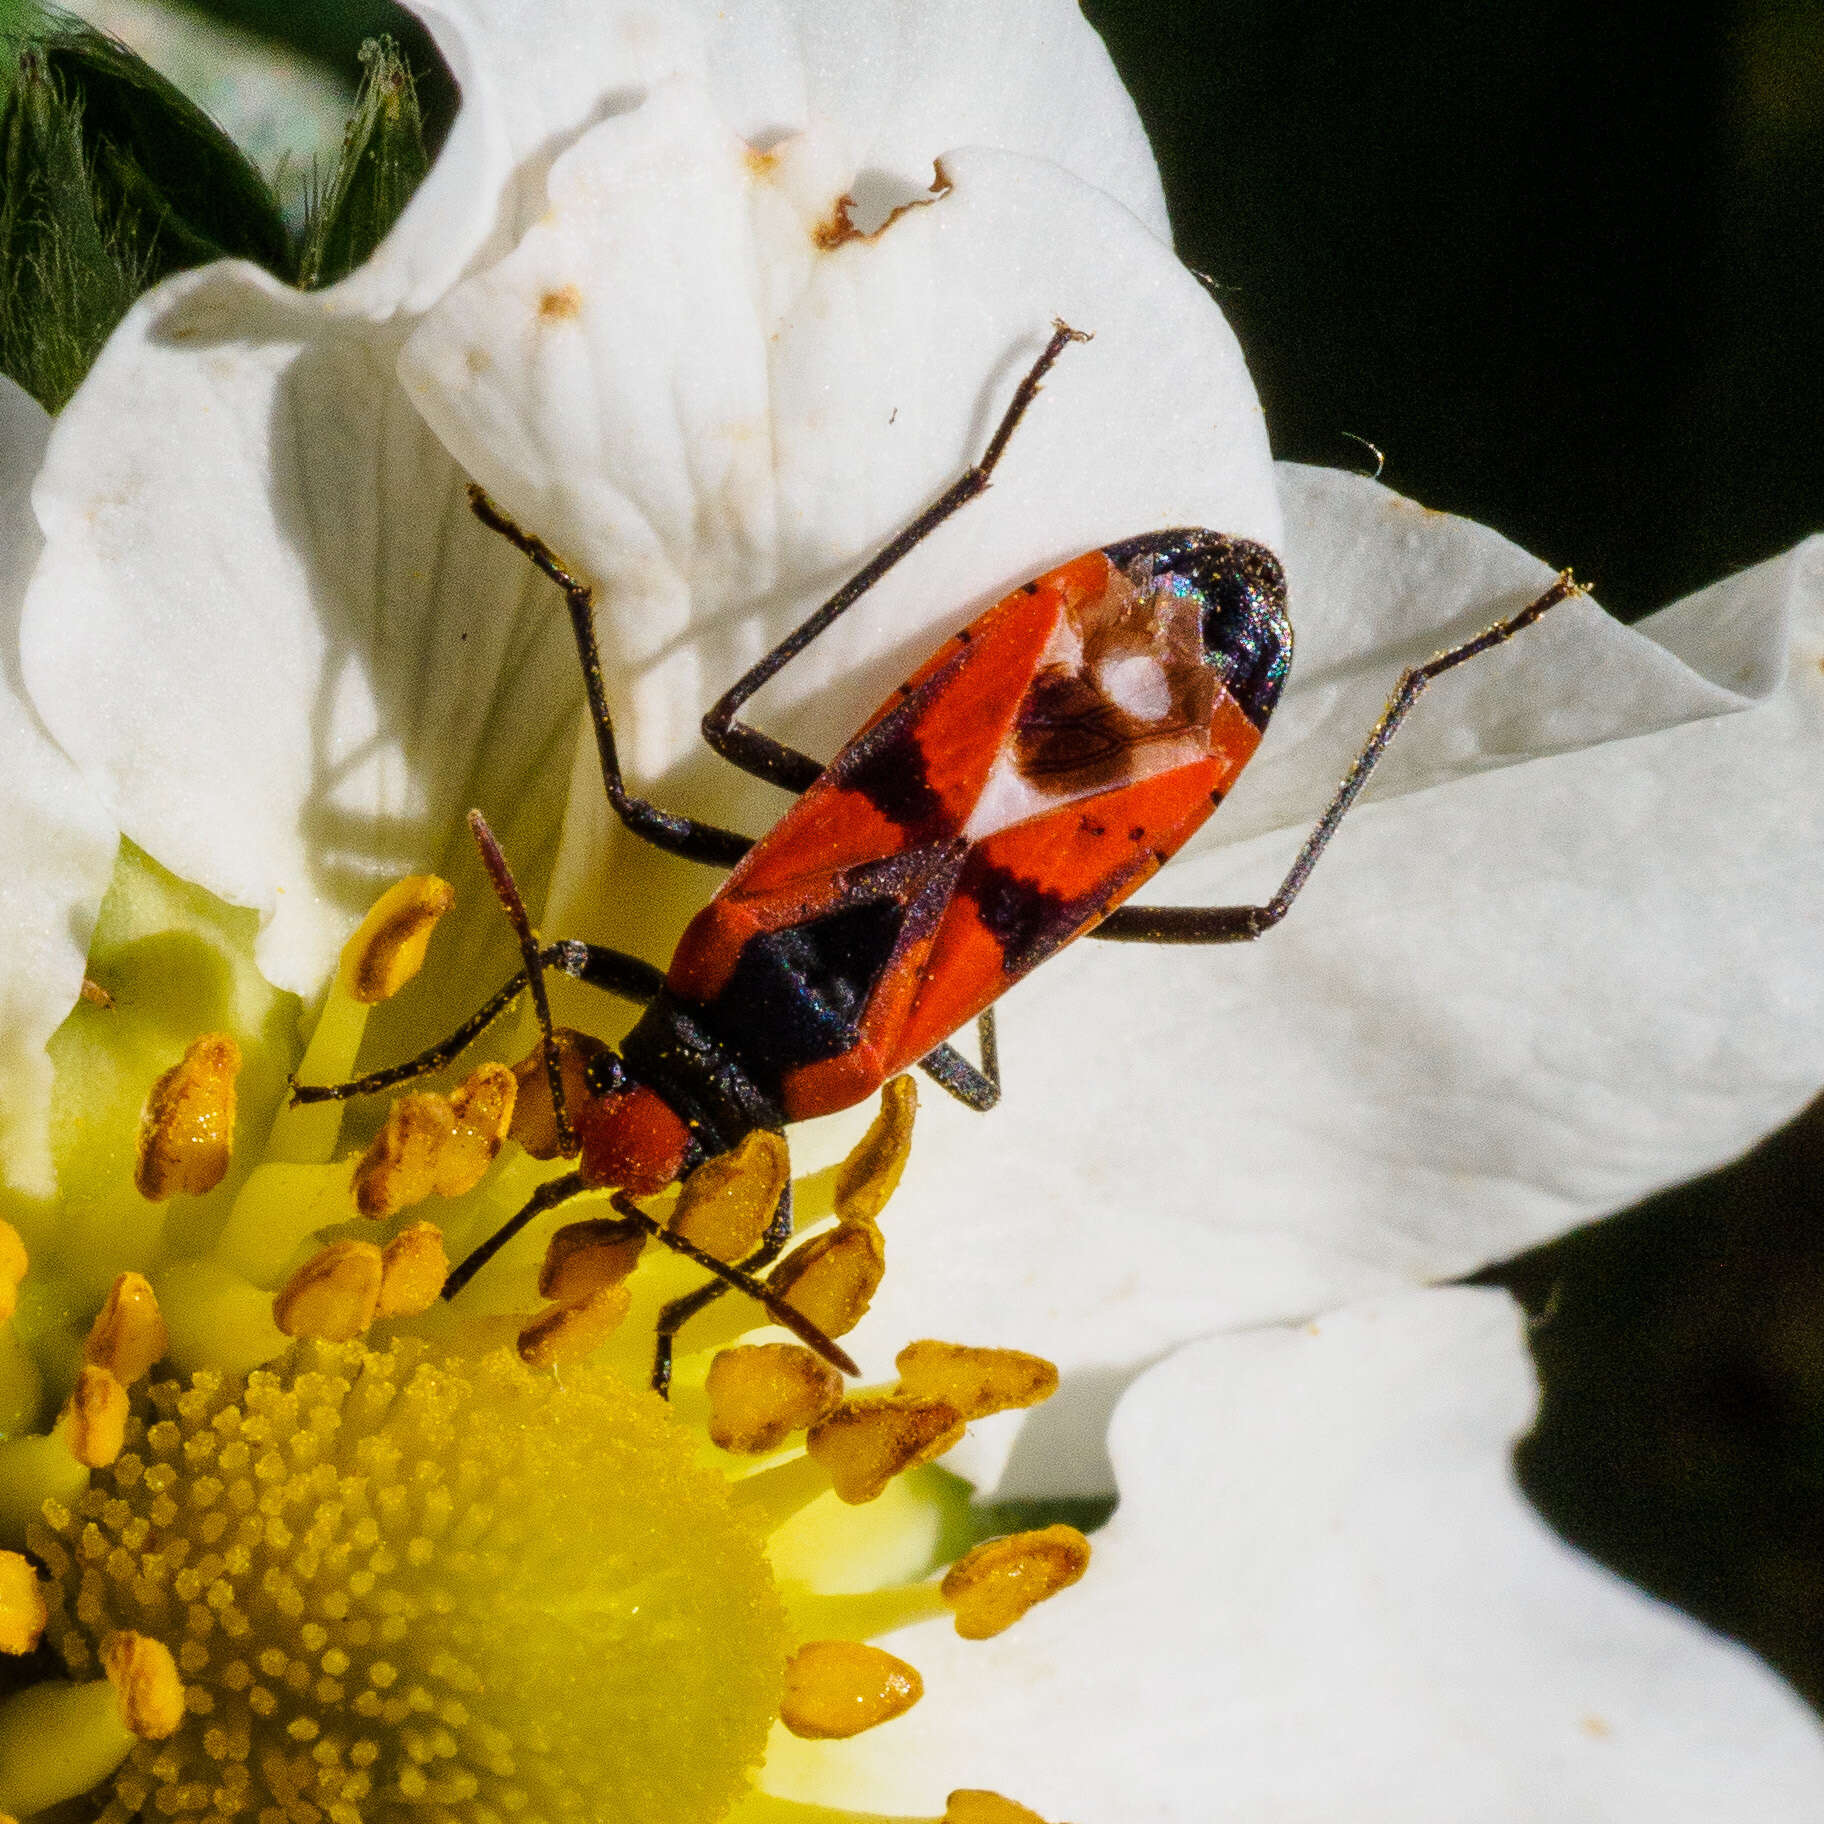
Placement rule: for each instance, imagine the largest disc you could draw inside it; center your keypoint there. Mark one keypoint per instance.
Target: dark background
(1564, 268)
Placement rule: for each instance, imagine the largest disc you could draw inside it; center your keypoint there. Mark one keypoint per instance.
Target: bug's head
(1241, 587)
(631, 1138)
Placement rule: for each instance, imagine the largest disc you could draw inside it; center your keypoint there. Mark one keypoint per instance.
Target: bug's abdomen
(1014, 791)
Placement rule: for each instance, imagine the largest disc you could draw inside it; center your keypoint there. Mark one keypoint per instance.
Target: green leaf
(383, 161)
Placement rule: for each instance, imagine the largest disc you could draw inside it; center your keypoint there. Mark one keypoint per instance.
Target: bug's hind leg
(686, 836)
(772, 760)
(1238, 924)
(976, 1088)
(674, 1316)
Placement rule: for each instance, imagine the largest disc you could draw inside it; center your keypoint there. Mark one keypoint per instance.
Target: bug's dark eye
(1246, 635)
(604, 1075)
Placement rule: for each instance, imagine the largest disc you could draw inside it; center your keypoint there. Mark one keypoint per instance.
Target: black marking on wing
(1028, 921)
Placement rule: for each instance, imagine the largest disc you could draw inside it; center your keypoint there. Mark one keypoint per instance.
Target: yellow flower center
(444, 1558)
(393, 1583)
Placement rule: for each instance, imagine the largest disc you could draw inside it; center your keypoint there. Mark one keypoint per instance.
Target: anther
(334, 1295)
(13, 1263)
(990, 1588)
(96, 1417)
(534, 1123)
(413, 1267)
(23, 1611)
(838, 1688)
(975, 1381)
(866, 1442)
(436, 1144)
(971, 1805)
(727, 1202)
(583, 1258)
(186, 1132)
(128, 1335)
(145, 1681)
(388, 948)
(761, 1393)
(567, 1333)
(832, 1278)
(871, 1173)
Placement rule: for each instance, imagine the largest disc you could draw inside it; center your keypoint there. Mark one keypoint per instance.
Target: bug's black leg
(547, 1197)
(1237, 924)
(506, 890)
(612, 971)
(729, 1279)
(674, 1316)
(979, 1089)
(686, 836)
(772, 760)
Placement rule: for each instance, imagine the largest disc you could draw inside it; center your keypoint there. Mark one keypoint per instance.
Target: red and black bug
(1008, 797)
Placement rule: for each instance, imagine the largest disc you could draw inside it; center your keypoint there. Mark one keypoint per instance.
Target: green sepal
(383, 161)
(110, 179)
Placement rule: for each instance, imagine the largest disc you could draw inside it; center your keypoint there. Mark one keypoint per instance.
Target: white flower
(1573, 953)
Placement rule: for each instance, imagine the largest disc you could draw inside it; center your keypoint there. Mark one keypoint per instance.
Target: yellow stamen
(129, 1334)
(832, 1278)
(971, 1806)
(388, 949)
(866, 1442)
(57, 1741)
(22, 1606)
(534, 1123)
(144, 1677)
(413, 1267)
(567, 1333)
(334, 1295)
(432, 1143)
(13, 1264)
(991, 1587)
(870, 1174)
(96, 1417)
(761, 1394)
(975, 1381)
(838, 1688)
(727, 1201)
(186, 1134)
(586, 1257)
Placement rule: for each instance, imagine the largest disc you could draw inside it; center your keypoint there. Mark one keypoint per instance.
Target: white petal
(58, 842)
(267, 626)
(897, 85)
(1323, 1597)
(1502, 1007)
(533, 74)
(891, 87)
(1377, 583)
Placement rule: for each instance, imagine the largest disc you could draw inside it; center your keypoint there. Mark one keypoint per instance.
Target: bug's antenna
(507, 890)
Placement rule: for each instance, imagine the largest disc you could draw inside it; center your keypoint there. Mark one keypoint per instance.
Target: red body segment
(1017, 788)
